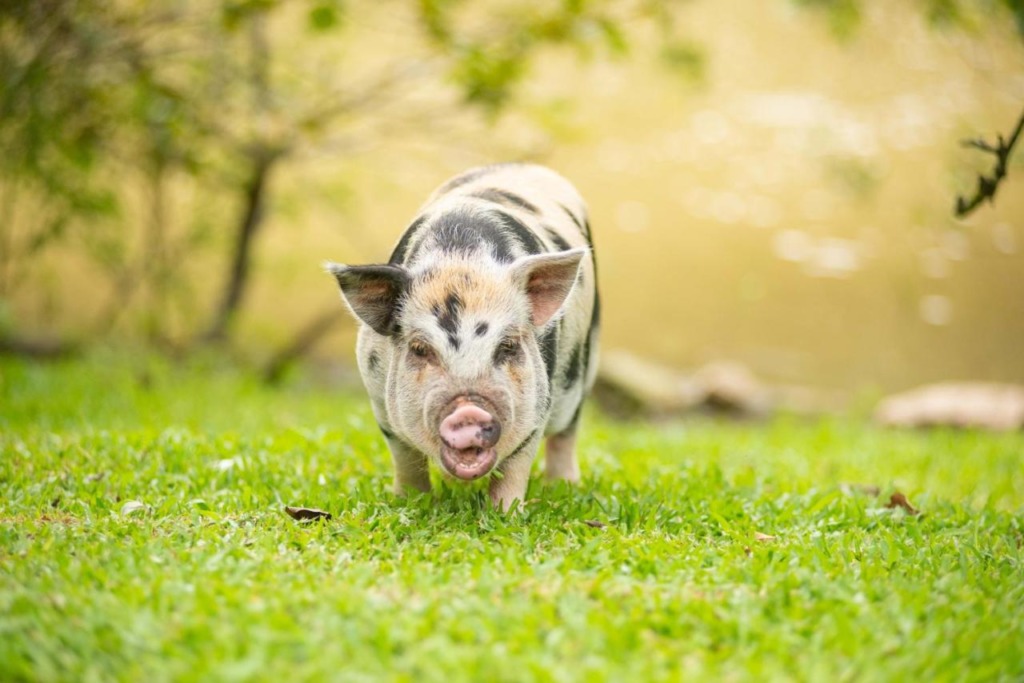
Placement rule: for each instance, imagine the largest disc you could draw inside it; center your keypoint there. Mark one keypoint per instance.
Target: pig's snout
(469, 434)
(470, 426)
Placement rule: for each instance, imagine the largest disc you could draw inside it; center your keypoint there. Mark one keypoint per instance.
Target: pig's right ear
(372, 292)
(548, 280)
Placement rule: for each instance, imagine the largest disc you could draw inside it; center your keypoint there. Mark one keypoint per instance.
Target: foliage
(143, 537)
(111, 112)
(491, 60)
(844, 16)
(215, 95)
(52, 136)
(973, 13)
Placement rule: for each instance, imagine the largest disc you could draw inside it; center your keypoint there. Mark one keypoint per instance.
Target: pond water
(793, 212)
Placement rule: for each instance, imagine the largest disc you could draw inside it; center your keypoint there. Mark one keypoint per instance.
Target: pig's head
(467, 382)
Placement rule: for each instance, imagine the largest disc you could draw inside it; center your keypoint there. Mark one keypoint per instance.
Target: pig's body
(480, 334)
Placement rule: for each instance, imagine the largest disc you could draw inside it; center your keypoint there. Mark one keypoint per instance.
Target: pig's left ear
(548, 280)
(373, 293)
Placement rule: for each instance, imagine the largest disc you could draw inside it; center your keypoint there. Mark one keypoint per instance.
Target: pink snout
(468, 426)
(469, 434)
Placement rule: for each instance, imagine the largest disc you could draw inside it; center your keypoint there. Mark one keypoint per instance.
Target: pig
(478, 338)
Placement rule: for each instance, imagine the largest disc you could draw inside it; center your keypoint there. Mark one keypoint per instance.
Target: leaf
(758, 536)
(323, 17)
(898, 500)
(131, 507)
(307, 514)
(203, 509)
(685, 59)
(594, 523)
(613, 36)
(843, 16)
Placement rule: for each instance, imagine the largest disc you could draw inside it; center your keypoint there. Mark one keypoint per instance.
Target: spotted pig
(479, 335)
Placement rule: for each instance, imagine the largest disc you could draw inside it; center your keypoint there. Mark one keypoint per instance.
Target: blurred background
(771, 183)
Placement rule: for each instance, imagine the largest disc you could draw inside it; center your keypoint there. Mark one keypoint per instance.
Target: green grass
(212, 581)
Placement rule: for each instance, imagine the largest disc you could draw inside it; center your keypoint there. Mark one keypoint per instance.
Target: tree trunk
(255, 190)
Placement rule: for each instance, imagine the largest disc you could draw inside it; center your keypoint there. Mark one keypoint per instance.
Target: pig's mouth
(468, 463)
(468, 435)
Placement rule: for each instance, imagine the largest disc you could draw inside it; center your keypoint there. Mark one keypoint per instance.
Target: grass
(658, 567)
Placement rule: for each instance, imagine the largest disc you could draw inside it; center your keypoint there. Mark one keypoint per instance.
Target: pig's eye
(422, 352)
(507, 350)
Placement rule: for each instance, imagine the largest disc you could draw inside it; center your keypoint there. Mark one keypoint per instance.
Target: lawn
(143, 538)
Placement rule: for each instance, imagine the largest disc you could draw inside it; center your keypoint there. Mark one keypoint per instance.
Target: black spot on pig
(448, 318)
(523, 444)
(572, 370)
(581, 224)
(595, 323)
(481, 329)
(506, 198)
(574, 422)
(512, 225)
(465, 231)
(549, 351)
(558, 240)
(398, 255)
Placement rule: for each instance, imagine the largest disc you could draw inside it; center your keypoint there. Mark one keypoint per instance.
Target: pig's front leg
(515, 476)
(411, 468)
(560, 457)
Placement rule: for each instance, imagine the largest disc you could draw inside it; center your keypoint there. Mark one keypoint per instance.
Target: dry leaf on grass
(898, 500)
(758, 536)
(307, 514)
(594, 523)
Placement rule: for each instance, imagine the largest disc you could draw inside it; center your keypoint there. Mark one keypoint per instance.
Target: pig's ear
(372, 292)
(548, 280)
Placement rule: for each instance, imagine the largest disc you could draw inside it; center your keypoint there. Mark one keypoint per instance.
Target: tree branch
(987, 185)
(38, 349)
(300, 345)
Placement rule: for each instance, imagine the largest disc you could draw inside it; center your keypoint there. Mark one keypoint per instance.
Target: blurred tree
(52, 126)
(108, 108)
(96, 95)
(86, 110)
